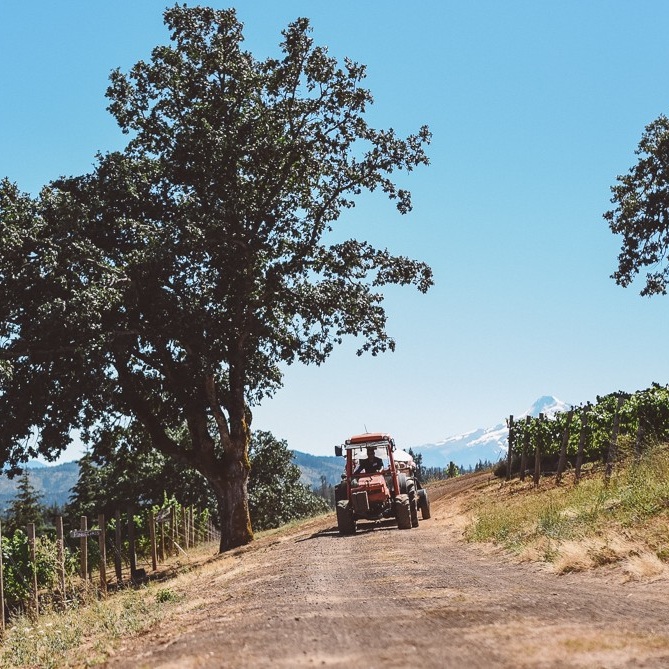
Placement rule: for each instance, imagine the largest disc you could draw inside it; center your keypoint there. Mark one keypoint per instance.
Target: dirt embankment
(390, 598)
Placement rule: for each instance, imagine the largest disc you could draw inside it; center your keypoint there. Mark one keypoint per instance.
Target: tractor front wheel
(345, 520)
(403, 512)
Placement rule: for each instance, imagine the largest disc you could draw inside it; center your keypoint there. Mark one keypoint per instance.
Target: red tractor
(379, 482)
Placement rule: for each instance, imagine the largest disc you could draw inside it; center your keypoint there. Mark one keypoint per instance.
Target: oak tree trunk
(232, 497)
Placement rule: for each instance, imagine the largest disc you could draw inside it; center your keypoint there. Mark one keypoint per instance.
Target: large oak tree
(170, 285)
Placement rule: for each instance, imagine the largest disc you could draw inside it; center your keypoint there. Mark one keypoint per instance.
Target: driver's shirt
(370, 466)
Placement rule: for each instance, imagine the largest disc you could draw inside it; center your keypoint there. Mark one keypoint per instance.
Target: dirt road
(390, 598)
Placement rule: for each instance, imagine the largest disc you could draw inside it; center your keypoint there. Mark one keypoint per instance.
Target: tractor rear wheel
(345, 520)
(424, 503)
(403, 512)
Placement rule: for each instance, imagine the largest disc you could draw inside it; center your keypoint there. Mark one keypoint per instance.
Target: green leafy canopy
(641, 212)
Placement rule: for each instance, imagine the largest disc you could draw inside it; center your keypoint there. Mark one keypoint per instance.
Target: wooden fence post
(118, 543)
(613, 444)
(131, 541)
(581, 446)
(173, 527)
(173, 523)
(2, 585)
(60, 555)
(184, 517)
(102, 543)
(526, 445)
(640, 433)
(33, 560)
(562, 462)
(152, 537)
(161, 545)
(83, 549)
(509, 424)
(537, 450)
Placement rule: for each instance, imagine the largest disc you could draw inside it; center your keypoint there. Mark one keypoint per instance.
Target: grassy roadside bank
(579, 527)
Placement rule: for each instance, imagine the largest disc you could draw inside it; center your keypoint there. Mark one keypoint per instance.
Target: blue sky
(535, 107)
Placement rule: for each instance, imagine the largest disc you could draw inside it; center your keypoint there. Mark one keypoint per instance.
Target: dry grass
(644, 566)
(580, 527)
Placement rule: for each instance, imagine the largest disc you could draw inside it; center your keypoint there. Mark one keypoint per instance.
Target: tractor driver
(372, 463)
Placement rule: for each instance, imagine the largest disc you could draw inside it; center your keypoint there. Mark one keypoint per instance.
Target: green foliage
(483, 465)
(276, 495)
(418, 459)
(87, 494)
(435, 474)
(18, 568)
(325, 491)
(167, 595)
(641, 199)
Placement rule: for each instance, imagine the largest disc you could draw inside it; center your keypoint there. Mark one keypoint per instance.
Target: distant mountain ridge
(482, 444)
(315, 466)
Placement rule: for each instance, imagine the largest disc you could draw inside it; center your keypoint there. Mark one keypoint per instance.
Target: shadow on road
(363, 528)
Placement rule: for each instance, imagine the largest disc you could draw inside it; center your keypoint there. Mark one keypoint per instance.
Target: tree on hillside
(641, 212)
(26, 507)
(276, 495)
(171, 284)
(87, 494)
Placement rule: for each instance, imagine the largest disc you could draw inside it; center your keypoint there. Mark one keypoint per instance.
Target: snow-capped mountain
(547, 405)
(490, 444)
